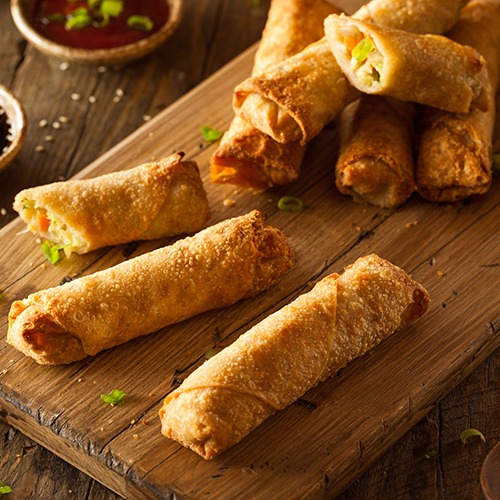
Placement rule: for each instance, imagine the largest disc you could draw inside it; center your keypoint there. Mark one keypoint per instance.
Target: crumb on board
(440, 274)
(229, 202)
(409, 225)
(135, 436)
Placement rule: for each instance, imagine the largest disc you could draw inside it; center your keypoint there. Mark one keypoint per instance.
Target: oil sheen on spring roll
(227, 262)
(279, 106)
(246, 156)
(455, 153)
(375, 163)
(154, 200)
(425, 69)
(289, 352)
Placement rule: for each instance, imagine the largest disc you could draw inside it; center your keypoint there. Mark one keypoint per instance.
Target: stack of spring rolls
(369, 71)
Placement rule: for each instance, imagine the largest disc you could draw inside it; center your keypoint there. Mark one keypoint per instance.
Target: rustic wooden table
(212, 33)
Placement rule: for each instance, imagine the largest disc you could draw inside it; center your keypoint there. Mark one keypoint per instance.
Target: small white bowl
(22, 10)
(17, 121)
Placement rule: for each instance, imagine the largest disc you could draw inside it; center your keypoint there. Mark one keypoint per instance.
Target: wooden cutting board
(318, 446)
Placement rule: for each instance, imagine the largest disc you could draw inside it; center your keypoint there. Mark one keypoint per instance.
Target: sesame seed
(56, 125)
(64, 66)
(43, 123)
(146, 118)
(119, 92)
(102, 69)
(48, 138)
(117, 98)
(39, 148)
(3, 211)
(63, 119)
(92, 99)
(75, 96)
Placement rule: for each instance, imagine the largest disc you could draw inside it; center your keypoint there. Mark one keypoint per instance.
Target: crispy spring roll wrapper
(426, 69)
(375, 163)
(154, 200)
(220, 265)
(277, 104)
(455, 152)
(246, 156)
(289, 352)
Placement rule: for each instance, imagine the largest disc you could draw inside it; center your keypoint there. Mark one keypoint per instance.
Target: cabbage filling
(43, 222)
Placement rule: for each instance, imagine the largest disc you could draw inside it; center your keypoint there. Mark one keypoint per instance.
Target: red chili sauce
(115, 34)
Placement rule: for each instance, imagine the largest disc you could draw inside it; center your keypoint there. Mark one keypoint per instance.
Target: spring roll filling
(365, 60)
(50, 226)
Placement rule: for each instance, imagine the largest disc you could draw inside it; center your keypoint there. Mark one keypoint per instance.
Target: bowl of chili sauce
(97, 31)
(12, 127)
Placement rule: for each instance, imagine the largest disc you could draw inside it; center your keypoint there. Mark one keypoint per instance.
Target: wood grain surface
(314, 449)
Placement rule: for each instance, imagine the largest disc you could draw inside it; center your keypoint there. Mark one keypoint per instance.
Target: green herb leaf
(112, 8)
(495, 167)
(114, 397)
(142, 23)
(465, 435)
(4, 489)
(362, 49)
(210, 134)
(430, 454)
(51, 251)
(290, 204)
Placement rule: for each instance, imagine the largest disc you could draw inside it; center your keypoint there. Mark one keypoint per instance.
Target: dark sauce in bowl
(115, 34)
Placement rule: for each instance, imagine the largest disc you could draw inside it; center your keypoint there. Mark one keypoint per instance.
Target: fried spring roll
(279, 106)
(426, 69)
(246, 156)
(290, 352)
(154, 200)
(220, 265)
(375, 163)
(455, 152)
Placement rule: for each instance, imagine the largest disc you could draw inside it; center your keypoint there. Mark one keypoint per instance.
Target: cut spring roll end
(426, 69)
(289, 352)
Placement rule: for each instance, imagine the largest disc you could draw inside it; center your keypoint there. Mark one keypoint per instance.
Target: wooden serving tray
(324, 442)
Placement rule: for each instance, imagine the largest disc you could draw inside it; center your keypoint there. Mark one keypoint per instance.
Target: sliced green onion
(51, 252)
(290, 204)
(495, 167)
(430, 454)
(78, 18)
(465, 435)
(362, 49)
(142, 23)
(114, 397)
(4, 489)
(112, 8)
(210, 134)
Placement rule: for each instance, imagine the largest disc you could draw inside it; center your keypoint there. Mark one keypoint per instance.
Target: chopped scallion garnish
(51, 251)
(78, 18)
(143, 23)
(55, 17)
(114, 397)
(4, 489)
(465, 435)
(112, 8)
(290, 204)
(210, 134)
(362, 49)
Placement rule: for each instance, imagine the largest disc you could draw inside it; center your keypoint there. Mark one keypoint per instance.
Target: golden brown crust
(455, 152)
(234, 259)
(289, 352)
(154, 200)
(415, 16)
(375, 162)
(294, 95)
(246, 156)
(427, 69)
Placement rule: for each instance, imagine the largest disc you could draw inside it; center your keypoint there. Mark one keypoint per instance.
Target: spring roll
(425, 69)
(375, 163)
(455, 152)
(154, 200)
(289, 352)
(245, 156)
(278, 105)
(218, 266)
